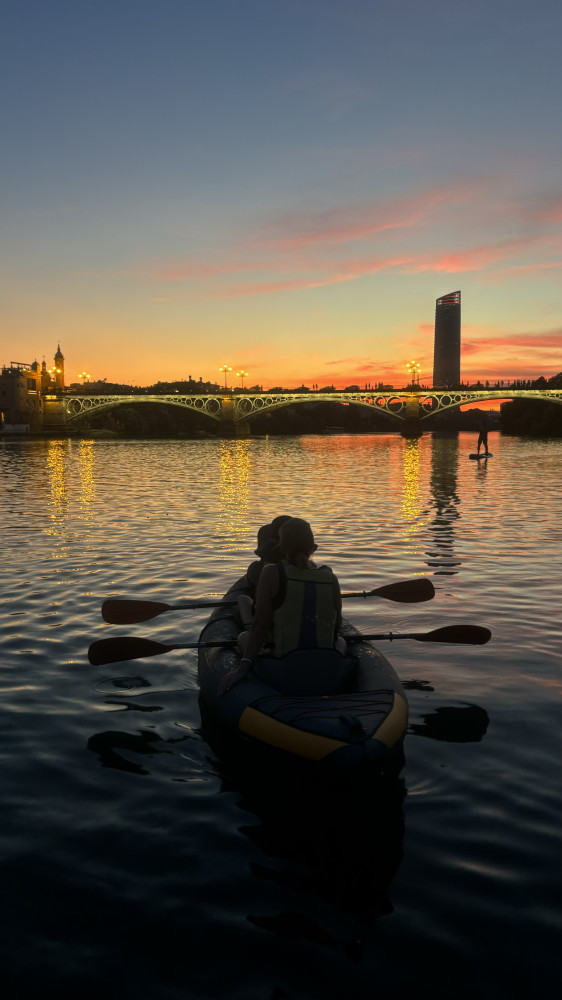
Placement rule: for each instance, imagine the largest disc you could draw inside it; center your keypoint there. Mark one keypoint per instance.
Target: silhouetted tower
(447, 342)
(59, 370)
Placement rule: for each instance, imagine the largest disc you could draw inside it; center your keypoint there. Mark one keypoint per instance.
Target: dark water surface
(135, 862)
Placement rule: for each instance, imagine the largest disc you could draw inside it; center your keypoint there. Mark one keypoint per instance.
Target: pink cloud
(546, 210)
(483, 256)
(523, 270)
(306, 250)
(548, 341)
(268, 287)
(356, 222)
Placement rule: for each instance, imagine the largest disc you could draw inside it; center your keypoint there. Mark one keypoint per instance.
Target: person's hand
(235, 675)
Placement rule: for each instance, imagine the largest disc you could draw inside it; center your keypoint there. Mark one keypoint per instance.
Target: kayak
(339, 714)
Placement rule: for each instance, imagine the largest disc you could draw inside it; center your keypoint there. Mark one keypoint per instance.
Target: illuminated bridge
(66, 411)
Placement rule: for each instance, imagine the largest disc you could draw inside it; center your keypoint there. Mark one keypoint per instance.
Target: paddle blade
(124, 648)
(118, 612)
(407, 591)
(470, 635)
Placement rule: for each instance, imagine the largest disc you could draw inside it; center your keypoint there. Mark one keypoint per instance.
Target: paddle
(468, 635)
(132, 648)
(122, 612)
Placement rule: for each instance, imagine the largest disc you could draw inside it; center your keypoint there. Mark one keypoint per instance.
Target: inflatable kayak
(339, 713)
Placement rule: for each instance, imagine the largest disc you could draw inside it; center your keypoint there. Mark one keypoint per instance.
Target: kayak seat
(307, 672)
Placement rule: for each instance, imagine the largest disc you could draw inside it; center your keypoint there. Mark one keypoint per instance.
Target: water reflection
(106, 746)
(413, 515)
(467, 724)
(56, 462)
(64, 459)
(86, 472)
(234, 489)
(58, 496)
(445, 500)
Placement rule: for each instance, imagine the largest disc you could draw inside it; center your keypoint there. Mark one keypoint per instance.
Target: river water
(136, 862)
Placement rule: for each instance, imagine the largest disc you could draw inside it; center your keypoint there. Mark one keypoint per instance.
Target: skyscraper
(447, 342)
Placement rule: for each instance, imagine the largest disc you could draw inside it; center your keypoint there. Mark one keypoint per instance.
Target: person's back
(305, 609)
(298, 605)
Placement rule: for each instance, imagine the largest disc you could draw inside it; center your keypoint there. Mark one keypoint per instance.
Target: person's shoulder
(253, 572)
(269, 577)
(328, 569)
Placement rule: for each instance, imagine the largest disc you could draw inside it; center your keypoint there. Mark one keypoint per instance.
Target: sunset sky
(285, 186)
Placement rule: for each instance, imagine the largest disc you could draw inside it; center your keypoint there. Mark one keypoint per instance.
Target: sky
(281, 186)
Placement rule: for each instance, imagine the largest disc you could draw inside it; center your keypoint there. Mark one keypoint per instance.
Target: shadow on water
(327, 849)
(107, 746)
(466, 724)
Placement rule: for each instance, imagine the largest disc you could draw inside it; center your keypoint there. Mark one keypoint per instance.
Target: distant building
(23, 388)
(21, 401)
(58, 373)
(447, 342)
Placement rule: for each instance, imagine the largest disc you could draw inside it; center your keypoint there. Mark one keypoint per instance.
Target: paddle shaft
(133, 648)
(116, 611)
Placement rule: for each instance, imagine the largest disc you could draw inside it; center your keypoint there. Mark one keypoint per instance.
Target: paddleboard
(484, 454)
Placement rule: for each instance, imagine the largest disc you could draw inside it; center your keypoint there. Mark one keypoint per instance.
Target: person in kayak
(268, 550)
(298, 605)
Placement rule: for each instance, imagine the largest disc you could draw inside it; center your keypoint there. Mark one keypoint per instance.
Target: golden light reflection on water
(413, 517)
(58, 496)
(86, 472)
(57, 468)
(61, 463)
(234, 489)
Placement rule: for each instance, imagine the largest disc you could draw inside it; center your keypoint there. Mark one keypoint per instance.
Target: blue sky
(283, 186)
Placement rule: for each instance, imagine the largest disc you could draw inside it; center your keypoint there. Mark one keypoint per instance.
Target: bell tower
(59, 370)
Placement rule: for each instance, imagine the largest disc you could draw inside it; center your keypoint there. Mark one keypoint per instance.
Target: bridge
(412, 406)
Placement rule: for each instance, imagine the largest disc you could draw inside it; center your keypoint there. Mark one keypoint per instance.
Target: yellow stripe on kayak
(312, 745)
(279, 734)
(394, 726)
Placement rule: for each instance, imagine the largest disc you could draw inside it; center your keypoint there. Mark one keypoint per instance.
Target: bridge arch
(240, 410)
(78, 407)
(246, 407)
(431, 402)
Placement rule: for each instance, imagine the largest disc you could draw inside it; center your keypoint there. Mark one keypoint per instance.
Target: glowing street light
(225, 369)
(242, 374)
(414, 368)
(85, 376)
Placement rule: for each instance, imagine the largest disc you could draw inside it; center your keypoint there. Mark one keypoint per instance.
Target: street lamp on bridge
(414, 369)
(85, 376)
(225, 369)
(242, 374)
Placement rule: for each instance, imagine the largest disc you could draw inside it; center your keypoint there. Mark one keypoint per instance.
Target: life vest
(304, 615)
